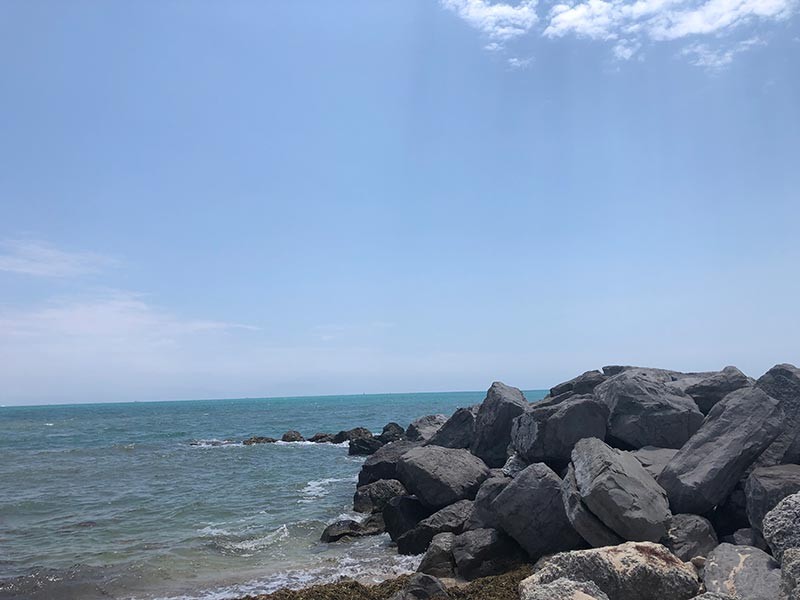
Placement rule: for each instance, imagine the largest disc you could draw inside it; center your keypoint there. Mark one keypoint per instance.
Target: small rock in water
(321, 438)
(364, 446)
(292, 436)
(351, 434)
(391, 433)
(257, 439)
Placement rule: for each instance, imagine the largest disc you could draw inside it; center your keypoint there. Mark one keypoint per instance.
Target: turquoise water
(114, 501)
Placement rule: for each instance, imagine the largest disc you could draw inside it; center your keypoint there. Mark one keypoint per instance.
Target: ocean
(151, 500)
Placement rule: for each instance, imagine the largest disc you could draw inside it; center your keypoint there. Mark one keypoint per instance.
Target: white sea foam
(49, 424)
(320, 488)
(255, 544)
(314, 444)
(214, 443)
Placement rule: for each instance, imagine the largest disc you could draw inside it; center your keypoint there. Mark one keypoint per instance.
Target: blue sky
(222, 199)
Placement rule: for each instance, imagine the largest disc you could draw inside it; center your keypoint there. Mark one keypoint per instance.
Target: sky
(247, 199)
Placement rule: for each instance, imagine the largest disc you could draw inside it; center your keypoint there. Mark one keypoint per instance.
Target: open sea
(114, 501)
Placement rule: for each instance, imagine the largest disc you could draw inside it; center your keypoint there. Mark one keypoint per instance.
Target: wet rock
(458, 431)
(421, 586)
(391, 432)
(493, 423)
(582, 384)
(438, 560)
(514, 465)
(292, 436)
(781, 526)
(450, 519)
(351, 434)
(401, 514)
(548, 434)
(321, 438)
(707, 468)
(425, 428)
(484, 552)
(654, 459)
(766, 486)
(588, 526)
(782, 382)
(350, 528)
(790, 574)
(561, 589)
(615, 487)
(631, 571)
(743, 572)
(257, 439)
(383, 464)
(364, 446)
(531, 511)
(483, 515)
(689, 536)
(441, 476)
(644, 411)
(373, 497)
(707, 391)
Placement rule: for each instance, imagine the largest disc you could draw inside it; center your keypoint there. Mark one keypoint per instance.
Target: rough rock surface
(259, 439)
(615, 487)
(458, 431)
(321, 438)
(292, 436)
(766, 486)
(402, 513)
(582, 384)
(731, 513)
(440, 476)
(450, 519)
(493, 423)
(781, 526)
(484, 552)
(689, 536)
(782, 382)
(707, 468)
(421, 586)
(438, 560)
(644, 411)
(383, 464)
(364, 446)
(742, 572)
(654, 459)
(631, 571)
(747, 536)
(351, 434)
(562, 589)
(790, 574)
(588, 526)
(707, 390)
(531, 511)
(514, 465)
(548, 434)
(391, 432)
(425, 428)
(373, 497)
(350, 528)
(483, 514)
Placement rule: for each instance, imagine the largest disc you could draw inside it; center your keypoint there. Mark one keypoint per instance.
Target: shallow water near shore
(114, 501)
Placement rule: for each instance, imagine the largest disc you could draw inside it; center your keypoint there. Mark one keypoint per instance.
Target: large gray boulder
(707, 468)
(372, 498)
(402, 513)
(782, 382)
(421, 586)
(484, 552)
(617, 489)
(781, 526)
(458, 431)
(654, 459)
(766, 486)
(483, 513)
(689, 536)
(383, 464)
(493, 423)
(644, 411)
(351, 434)
(588, 526)
(744, 572)
(531, 511)
(582, 384)
(364, 446)
(392, 432)
(424, 428)
(706, 389)
(441, 476)
(631, 571)
(438, 560)
(547, 434)
(562, 589)
(450, 519)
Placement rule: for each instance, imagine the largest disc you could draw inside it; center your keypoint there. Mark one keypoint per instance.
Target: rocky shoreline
(622, 484)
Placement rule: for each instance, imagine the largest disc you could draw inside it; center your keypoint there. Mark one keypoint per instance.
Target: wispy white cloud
(498, 21)
(36, 258)
(703, 55)
(520, 63)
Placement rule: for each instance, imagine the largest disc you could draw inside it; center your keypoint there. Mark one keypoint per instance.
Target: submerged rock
(493, 423)
(742, 571)
(441, 476)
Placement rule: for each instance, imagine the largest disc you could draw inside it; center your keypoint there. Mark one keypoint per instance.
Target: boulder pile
(625, 483)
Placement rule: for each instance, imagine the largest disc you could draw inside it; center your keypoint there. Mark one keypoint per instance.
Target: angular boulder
(441, 476)
(654, 459)
(321, 438)
(743, 572)
(364, 446)
(582, 384)
(562, 589)
(617, 489)
(493, 423)
(707, 468)
(421, 586)
(588, 526)
(514, 465)
(630, 571)
(292, 436)
(644, 411)
(483, 514)
(531, 511)
(383, 464)
(450, 519)
(782, 382)
(458, 431)
(351, 434)
(689, 536)
(781, 526)
(484, 552)
(259, 439)
(391, 432)
(401, 514)
(766, 486)
(373, 497)
(438, 560)
(349, 528)
(548, 434)
(424, 428)
(707, 390)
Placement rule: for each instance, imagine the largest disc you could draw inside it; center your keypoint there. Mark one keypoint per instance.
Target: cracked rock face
(742, 572)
